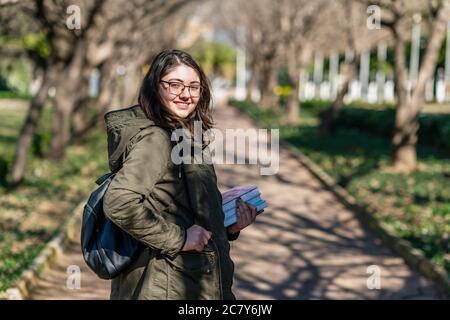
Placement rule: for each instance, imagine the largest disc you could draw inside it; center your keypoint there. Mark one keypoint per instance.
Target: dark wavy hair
(150, 99)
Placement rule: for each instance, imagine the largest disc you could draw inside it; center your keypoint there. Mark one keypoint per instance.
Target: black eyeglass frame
(184, 87)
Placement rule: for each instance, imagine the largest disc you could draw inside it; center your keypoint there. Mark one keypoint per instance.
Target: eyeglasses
(177, 88)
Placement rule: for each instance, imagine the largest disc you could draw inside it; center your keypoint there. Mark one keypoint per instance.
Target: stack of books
(249, 194)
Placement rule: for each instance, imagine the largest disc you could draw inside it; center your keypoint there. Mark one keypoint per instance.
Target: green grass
(34, 212)
(13, 263)
(14, 95)
(416, 205)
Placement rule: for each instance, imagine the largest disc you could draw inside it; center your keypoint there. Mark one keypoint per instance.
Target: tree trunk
(68, 92)
(29, 128)
(405, 137)
(133, 80)
(81, 117)
(404, 140)
(108, 82)
(292, 115)
(405, 129)
(60, 129)
(327, 125)
(268, 82)
(252, 82)
(81, 103)
(108, 85)
(82, 121)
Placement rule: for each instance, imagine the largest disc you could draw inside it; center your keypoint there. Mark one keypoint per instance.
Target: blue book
(249, 194)
(231, 217)
(246, 193)
(246, 197)
(257, 202)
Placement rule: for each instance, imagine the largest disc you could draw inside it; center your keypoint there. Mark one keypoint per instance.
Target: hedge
(434, 129)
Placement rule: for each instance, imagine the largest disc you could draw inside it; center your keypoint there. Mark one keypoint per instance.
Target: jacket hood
(121, 126)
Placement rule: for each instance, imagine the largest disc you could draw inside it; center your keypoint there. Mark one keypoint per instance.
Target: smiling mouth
(182, 105)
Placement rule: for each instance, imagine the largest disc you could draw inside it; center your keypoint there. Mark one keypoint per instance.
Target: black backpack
(107, 249)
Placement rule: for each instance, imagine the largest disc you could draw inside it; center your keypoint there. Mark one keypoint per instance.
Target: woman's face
(180, 101)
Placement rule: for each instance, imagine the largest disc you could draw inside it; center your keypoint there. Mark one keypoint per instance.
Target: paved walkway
(306, 245)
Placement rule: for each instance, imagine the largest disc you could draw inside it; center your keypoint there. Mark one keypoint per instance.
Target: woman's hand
(245, 216)
(196, 239)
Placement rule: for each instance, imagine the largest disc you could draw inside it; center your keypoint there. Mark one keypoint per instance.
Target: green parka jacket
(148, 199)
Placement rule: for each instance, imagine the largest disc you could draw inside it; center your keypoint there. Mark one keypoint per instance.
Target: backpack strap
(104, 177)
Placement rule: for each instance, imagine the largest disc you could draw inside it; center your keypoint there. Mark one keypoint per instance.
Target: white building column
(241, 74)
(94, 83)
(318, 71)
(364, 70)
(440, 86)
(381, 76)
(303, 80)
(389, 92)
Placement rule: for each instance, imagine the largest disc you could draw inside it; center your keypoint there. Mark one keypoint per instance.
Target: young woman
(177, 217)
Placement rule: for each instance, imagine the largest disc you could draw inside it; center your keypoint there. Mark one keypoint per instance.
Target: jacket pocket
(193, 276)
